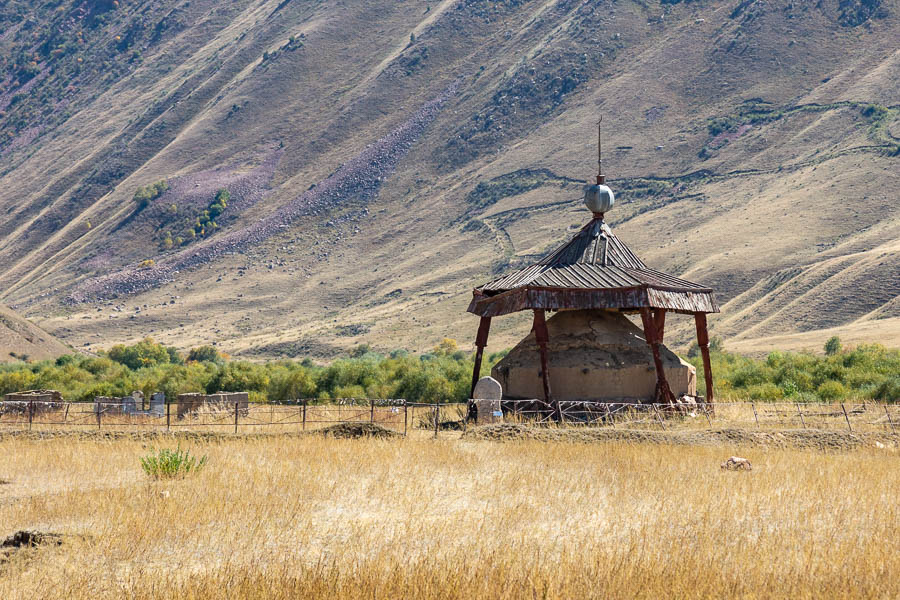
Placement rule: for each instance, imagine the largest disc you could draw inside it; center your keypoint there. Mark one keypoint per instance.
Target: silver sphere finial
(598, 198)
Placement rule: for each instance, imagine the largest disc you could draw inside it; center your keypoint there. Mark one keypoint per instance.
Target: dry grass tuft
(315, 517)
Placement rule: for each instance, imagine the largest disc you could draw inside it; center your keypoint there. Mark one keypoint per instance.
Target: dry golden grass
(321, 518)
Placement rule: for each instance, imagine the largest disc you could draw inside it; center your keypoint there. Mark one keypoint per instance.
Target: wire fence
(404, 417)
(300, 415)
(852, 417)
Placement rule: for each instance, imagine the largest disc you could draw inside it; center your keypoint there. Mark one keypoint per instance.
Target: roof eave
(682, 300)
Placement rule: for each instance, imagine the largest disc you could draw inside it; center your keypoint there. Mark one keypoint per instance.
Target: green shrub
(204, 354)
(831, 390)
(169, 464)
(751, 374)
(145, 353)
(206, 221)
(833, 346)
(174, 379)
(789, 388)
(864, 371)
(768, 392)
(65, 359)
(291, 383)
(17, 381)
(143, 196)
(874, 111)
(239, 376)
(889, 390)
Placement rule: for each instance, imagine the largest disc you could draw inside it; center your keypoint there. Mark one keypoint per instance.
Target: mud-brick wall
(43, 401)
(192, 403)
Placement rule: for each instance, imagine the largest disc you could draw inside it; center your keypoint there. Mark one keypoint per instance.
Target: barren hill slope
(21, 340)
(383, 157)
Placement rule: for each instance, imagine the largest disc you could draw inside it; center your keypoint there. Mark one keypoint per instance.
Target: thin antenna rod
(600, 177)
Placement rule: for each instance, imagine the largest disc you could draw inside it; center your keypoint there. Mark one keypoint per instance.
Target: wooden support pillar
(543, 337)
(654, 327)
(484, 327)
(703, 342)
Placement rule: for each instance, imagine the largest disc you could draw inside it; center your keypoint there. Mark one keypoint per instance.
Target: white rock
(736, 463)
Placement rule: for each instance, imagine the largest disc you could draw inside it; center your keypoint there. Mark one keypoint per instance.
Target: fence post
(371, 410)
(562, 414)
(437, 417)
(887, 412)
(658, 416)
(706, 414)
(168, 414)
(797, 404)
(405, 415)
(99, 414)
(755, 418)
(846, 417)
(235, 416)
(68, 404)
(304, 413)
(30, 413)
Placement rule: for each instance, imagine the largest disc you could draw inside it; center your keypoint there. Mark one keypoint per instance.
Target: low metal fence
(403, 417)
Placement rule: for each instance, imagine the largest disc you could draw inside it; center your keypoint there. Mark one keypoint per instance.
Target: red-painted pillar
(703, 342)
(542, 337)
(484, 327)
(654, 326)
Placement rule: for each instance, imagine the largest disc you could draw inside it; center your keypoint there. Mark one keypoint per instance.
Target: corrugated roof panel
(579, 265)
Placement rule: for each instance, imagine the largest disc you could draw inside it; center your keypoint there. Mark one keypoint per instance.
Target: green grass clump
(169, 464)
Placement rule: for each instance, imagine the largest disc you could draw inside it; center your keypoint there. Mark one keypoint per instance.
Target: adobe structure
(36, 401)
(589, 350)
(134, 404)
(223, 401)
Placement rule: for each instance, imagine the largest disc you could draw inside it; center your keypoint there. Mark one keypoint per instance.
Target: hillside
(21, 340)
(381, 158)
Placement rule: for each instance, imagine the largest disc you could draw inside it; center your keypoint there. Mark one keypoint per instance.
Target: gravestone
(138, 398)
(487, 395)
(158, 404)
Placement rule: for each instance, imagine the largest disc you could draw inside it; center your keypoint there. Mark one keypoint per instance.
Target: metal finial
(600, 178)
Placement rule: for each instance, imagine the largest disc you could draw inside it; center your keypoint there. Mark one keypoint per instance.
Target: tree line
(865, 372)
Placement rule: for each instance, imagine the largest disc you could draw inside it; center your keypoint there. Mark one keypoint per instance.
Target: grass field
(311, 517)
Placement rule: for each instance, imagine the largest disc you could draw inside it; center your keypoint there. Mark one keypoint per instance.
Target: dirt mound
(31, 539)
(24, 539)
(803, 438)
(358, 430)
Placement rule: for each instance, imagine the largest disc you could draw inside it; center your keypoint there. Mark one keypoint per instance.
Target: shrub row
(866, 372)
(443, 375)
